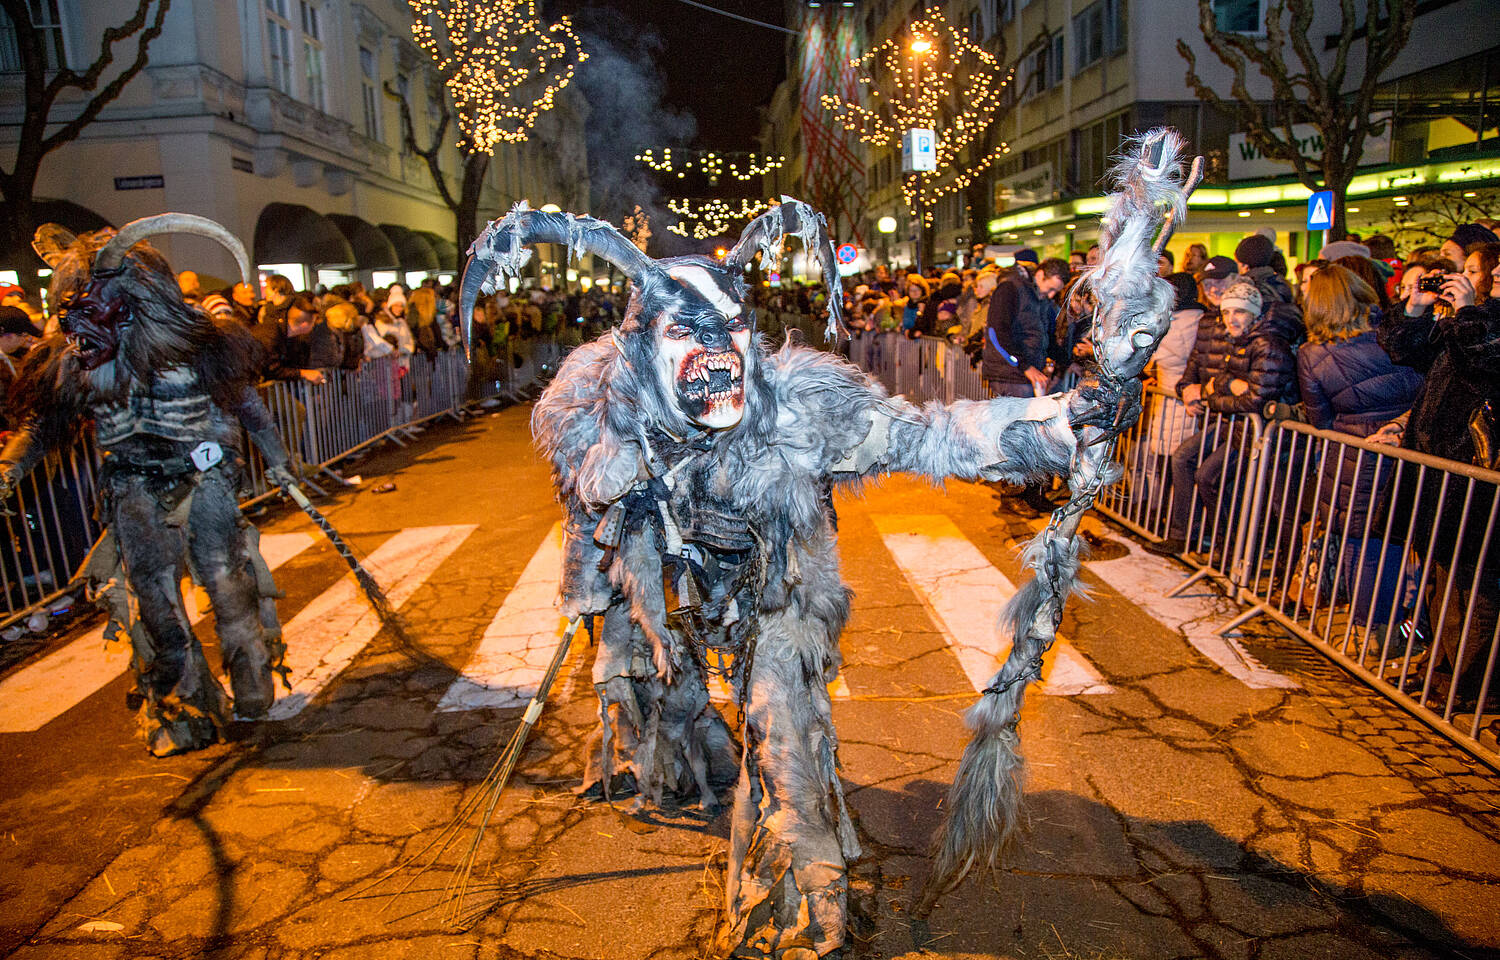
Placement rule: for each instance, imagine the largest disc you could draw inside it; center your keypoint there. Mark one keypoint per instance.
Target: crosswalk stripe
(965, 593)
(1144, 580)
(327, 634)
(507, 666)
(36, 695)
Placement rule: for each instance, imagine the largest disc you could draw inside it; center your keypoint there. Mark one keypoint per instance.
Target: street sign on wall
(918, 151)
(1320, 210)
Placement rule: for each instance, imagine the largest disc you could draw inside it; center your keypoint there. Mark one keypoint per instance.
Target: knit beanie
(1242, 294)
(1255, 251)
(1186, 290)
(1471, 233)
(1026, 255)
(396, 295)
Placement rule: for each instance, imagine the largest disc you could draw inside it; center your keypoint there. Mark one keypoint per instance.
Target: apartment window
(312, 55)
(1240, 16)
(403, 90)
(47, 21)
(1007, 11)
(976, 25)
(1088, 37)
(1047, 65)
(279, 44)
(369, 75)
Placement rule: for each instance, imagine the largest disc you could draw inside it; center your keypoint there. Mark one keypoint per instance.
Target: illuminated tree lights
(933, 78)
(502, 66)
(713, 165)
(710, 218)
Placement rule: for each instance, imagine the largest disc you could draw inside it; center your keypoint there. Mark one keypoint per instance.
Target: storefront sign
(153, 182)
(1032, 185)
(1246, 161)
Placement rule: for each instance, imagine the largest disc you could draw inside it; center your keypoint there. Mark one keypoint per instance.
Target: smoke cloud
(626, 116)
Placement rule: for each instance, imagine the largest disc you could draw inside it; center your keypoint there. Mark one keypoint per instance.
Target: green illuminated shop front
(1386, 199)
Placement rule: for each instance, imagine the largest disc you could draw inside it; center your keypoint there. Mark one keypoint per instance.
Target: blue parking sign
(1320, 210)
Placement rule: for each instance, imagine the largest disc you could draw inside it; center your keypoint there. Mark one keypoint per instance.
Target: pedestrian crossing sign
(1320, 210)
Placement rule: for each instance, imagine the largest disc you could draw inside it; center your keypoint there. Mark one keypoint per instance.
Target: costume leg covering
(220, 555)
(184, 705)
(787, 889)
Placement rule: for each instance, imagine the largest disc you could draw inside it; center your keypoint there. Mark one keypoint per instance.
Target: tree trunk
(18, 188)
(466, 214)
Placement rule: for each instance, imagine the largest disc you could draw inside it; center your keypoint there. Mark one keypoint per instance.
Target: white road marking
(507, 666)
(36, 695)
(965, 593)
(1144, 580)
(329, 632)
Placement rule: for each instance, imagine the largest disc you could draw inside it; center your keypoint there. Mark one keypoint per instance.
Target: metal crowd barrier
(1377, 557)
(54, 524)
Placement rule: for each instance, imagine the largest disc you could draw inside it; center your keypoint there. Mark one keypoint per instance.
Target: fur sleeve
(228, 361)
(47, 399)
(836, 419)
(592, 464)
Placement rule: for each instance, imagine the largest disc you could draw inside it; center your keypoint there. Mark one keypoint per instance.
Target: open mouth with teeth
(91, 351)
(710, 382)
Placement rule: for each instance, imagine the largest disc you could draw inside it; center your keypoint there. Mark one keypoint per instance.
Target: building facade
(281, 119)
(1095, 71)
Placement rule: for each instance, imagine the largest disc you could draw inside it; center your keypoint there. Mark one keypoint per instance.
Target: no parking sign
(846, 253)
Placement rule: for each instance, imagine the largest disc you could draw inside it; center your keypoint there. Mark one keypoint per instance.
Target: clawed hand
(1111, 406)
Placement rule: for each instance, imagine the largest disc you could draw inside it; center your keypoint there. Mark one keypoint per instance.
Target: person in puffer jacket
(1258, 367)
(1349, 384)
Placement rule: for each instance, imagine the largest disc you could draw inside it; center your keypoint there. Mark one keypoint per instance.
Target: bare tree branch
(431, 153)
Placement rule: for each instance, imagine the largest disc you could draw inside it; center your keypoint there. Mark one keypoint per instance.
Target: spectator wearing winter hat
(1256, 367)
(17, 334)
(1217, 276)
(1456, 247)
(910, 309)
(1255, 256)
(1171, 357)
(949, 287)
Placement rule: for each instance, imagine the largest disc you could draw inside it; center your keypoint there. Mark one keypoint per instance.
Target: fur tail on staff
(1149, 200)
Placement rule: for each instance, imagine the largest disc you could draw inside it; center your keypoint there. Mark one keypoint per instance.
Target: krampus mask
(688, 333)
(118, 300)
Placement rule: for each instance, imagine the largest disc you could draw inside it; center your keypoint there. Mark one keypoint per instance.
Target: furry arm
(836, 414)
(1009, 438)
(251, 411)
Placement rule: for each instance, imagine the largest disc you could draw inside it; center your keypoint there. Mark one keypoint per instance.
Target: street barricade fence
(1378, 557)
(52, 522)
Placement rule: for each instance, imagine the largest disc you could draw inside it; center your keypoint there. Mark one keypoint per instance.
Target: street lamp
(886, 224)
(920, 46)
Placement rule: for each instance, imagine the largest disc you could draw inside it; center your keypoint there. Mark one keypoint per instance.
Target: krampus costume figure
(696, 466)
(168, 390)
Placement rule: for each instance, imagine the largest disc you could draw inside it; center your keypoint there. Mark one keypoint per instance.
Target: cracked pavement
(1185, 814)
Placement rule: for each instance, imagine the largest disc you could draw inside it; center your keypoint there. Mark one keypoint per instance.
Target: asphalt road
(1188, 797)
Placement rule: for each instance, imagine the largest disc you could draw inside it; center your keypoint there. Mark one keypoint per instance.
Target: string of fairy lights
(711, 164)
(935, 78)
(703, 219)
(503, 66)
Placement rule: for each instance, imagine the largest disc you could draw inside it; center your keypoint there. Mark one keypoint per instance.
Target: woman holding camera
(1453, 339)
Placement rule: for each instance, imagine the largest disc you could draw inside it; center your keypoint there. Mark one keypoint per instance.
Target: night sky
(713, 68)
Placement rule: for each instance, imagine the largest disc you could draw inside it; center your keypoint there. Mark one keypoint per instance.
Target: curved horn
(502, 248)
(794, 218)
(112, 253)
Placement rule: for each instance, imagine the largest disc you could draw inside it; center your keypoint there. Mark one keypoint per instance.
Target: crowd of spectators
(1398, 350)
